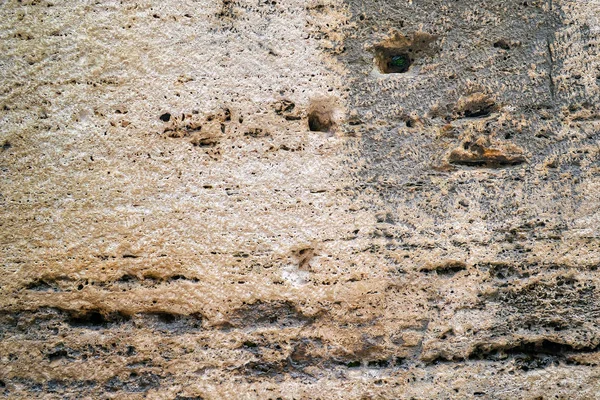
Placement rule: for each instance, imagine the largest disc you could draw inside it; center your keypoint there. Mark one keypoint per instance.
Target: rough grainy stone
(324, 199)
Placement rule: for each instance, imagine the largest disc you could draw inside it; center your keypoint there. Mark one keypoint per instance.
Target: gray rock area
(322, 199)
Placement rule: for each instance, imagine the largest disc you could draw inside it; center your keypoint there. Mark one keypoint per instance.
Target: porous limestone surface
(323, 199)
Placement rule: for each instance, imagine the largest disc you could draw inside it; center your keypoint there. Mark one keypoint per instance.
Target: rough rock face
(321, 199)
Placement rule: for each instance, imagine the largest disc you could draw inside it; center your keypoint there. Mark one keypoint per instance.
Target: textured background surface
(172, 228)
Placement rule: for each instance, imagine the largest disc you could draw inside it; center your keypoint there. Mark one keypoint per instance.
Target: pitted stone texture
(229, 199)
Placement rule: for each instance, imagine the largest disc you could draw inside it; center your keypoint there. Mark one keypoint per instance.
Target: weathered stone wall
(300, 200)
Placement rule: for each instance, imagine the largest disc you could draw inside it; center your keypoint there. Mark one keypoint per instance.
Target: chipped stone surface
(300, 200)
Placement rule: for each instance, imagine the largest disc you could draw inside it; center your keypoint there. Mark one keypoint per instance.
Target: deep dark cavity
(95, 319)
(46, 322)
(530, 355)
(171, 323)
(321, 114)
(449, 268)
(532, 349)
(502, 44)
(395, 64)
(395, 54)
(477, 109)
(166, 117)
(41, 285)
(318, 123)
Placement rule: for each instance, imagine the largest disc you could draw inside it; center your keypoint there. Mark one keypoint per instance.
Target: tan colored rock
(233, 199)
